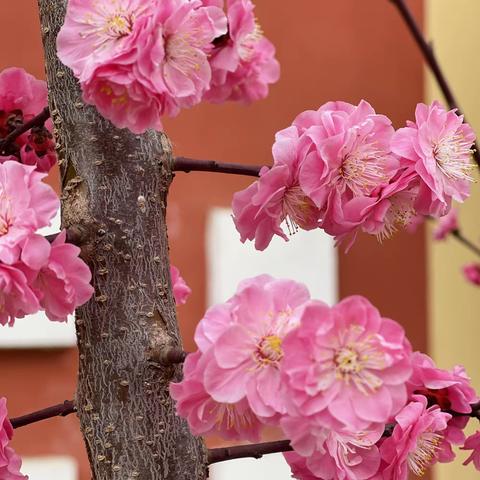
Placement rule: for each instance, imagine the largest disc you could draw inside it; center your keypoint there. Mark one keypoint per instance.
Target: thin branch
(257, 450)
(469, 244)
(431, 59)
(60, 410)
(37, 121)
(183, 164)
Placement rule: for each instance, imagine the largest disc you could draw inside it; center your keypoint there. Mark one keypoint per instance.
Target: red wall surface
(329, 50)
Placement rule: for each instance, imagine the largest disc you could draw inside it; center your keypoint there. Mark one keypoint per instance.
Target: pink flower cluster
(22, 97)
(341, 382)
(35, 274)
(10, 462)
(344, 168)
(138, 60)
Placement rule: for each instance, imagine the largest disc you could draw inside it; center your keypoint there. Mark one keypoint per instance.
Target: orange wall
(343, 49)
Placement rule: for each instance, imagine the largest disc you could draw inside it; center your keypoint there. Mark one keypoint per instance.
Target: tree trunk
(115, 184)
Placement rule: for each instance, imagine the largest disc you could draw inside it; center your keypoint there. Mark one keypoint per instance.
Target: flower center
(425, 451)
(363, 169)
(355, 361)
(453, 157)
(347, 361)
(181, 50)
(118, 25)
(6, 221)
(246, 47)
(269, 350)
(401, 212)
(298, 210)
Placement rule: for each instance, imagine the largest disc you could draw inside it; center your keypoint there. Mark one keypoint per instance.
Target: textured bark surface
(115, 184)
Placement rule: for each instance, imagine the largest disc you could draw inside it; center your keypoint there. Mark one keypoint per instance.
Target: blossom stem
(469, 244)
(36, 121)
(183, 164)
(431, 59)
(60, 410)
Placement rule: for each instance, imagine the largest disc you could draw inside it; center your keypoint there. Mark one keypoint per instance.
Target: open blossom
(388, 208)
(471, 272)
(243, 62)
(233, 421)
(26, 204)
(248, 352)
(63, 283)
(137, 60)
(22, 97)
(446, 225)
(439, 146)
(473, 443)
(181, 291)
(450, 390)
(260, 209)
(17, 298)
(10, 462)
(346, 365)
(343, 457)
(298, 466)
(351, 158)
(415, 440)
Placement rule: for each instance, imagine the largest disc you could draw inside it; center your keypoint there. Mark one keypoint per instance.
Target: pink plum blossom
(10, 462)
(351, 157)
(248, 351)
(473, 443)
(276, 197)
(26, 204)
(243, 62)
(298, 465)
(22, 97)
(471, 272)
(138, 60)
(439, 147)
(450, 390)
(181, 291)
(17, 299)
(233, 421)
(347, 456)
(63, 283)
(446, 225)
(452, 435)
(346, 366)
(39, 150)
(388, 208)
(415, 440)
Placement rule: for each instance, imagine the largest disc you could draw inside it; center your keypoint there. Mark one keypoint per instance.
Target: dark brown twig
(469, 244)
(183, 164)
(431, 59)
(258, 450)
(60, 410)
(36, 121)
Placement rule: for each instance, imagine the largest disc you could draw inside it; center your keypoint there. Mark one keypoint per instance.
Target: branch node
(168, 356)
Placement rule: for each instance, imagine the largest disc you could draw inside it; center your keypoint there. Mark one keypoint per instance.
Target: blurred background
(328, 50)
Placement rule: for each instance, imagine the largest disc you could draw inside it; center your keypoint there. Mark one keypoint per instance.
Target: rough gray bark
(115, 185)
